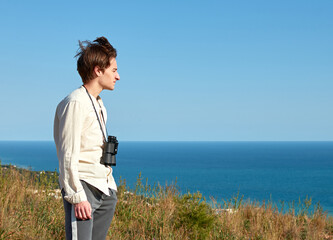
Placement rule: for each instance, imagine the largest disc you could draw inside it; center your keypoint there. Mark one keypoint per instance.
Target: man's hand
(83, 210)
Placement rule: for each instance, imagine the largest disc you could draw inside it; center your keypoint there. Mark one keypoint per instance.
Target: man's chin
(108, 88)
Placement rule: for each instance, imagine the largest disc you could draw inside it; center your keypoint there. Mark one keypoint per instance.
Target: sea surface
(259, 171)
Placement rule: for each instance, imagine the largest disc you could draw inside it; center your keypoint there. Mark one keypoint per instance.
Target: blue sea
(259, 171)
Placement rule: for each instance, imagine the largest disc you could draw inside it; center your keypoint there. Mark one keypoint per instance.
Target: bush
(194, 215)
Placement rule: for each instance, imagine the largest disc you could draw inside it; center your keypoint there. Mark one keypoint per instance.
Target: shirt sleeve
(70, 121)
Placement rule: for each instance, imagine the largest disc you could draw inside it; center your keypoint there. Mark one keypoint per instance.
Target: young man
(88, 187)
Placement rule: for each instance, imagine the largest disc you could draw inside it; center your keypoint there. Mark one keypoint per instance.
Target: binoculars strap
(100, 124)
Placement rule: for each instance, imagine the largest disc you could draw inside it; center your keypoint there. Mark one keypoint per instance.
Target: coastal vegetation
(31, 208)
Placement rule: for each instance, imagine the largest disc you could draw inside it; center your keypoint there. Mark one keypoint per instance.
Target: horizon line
(2, 140)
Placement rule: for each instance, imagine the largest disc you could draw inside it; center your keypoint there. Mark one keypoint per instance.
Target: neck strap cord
(100, 124)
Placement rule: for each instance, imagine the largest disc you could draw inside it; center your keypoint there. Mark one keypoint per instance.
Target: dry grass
(25, 212)
(153, 213)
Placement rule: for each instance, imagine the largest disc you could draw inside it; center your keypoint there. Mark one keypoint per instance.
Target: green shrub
(194, 215)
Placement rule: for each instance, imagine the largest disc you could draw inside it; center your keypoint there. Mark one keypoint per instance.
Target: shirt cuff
(76, 197)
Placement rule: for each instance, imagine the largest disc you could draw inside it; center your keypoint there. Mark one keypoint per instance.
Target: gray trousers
(96, 228)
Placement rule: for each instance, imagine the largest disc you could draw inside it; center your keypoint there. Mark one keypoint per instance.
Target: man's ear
(98, 71)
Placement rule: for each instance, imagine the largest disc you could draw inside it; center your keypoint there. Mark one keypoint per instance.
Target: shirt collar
(97, 101)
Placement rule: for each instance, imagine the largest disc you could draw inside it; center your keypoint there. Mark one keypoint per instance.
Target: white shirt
(79, 141)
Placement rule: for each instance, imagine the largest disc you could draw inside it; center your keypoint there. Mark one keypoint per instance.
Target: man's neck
(93, 89)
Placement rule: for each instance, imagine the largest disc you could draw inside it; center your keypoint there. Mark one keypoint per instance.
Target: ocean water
(260, 171)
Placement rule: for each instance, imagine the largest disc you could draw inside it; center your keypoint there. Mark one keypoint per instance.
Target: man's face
(110, 76)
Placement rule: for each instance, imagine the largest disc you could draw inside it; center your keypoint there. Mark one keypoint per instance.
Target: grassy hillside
(31, 208)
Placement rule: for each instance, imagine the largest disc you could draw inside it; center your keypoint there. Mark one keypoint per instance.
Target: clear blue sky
(190, 70)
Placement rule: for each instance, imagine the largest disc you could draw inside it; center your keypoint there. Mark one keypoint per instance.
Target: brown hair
(91, 54)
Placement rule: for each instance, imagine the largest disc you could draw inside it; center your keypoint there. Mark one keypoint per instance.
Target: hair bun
(102, 41)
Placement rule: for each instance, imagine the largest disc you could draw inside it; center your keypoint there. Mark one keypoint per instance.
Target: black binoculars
(110, 151)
